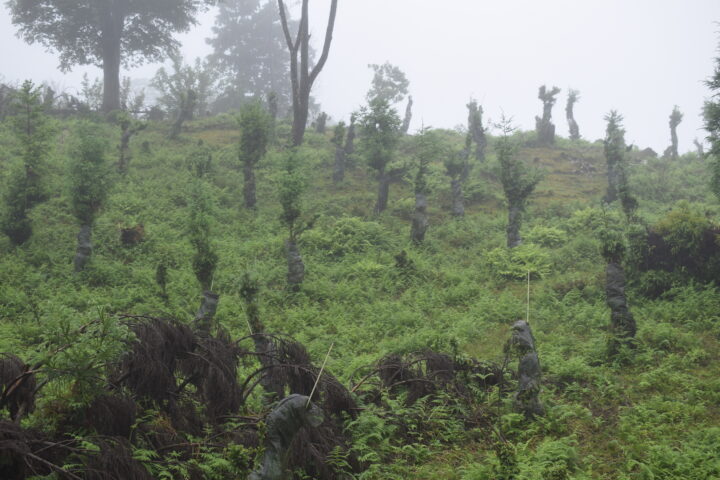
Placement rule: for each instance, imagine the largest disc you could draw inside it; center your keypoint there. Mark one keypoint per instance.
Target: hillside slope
(652, 414)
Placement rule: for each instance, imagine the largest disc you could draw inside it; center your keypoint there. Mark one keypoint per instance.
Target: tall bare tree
(302, 76)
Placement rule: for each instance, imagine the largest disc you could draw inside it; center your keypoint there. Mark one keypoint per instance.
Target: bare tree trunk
(408, 116)
(513, 227)
(302, 78)
(458, 204)
(84, 248)
(383, 192)
(296, 267)
(569, 114)
(111, 36)
(339, 170)
(420, 219)
(673, 143)
(249, 186)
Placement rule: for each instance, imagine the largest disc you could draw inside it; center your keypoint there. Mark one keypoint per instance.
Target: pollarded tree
(614, 148)
(622, 323)
(675, 118)
(302, 76)
(428, 149)
(476, 131)
(105, 33)
(517, 180)
(255, 127)
(454, 167)
(573, 97)
(543, 126)
(291, 187)
(89, 184)
(199, 229)
(380, 125)
(129, 127)
(32, 130)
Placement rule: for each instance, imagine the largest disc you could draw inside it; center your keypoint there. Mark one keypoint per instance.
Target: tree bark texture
(296, 267)
(458, 203)
(526, 398)
(513, 226)
(419, 220)
(383, 192)
(111, 35)
(84, 248)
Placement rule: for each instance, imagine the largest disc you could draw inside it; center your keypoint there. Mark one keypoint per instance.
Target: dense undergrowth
(652, 413)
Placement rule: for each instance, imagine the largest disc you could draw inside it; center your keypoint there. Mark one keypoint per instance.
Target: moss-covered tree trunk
(458, 202)
(573, 96)
(84, 248)
(527, 396)
(513, 226)
(206, 313)
(296, 267)
(419, 219)
(384, 181)
(408, 116)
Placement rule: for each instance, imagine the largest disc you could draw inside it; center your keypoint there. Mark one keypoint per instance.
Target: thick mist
(640, 58)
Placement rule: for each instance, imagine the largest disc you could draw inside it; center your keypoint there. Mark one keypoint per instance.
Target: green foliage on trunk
(89, 174)
(32, 130)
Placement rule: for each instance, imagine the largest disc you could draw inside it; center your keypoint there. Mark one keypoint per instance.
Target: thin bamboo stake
(317, 380)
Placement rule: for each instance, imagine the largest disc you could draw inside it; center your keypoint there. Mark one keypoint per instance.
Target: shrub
(546, 236)
(515, 263)
(346, 236)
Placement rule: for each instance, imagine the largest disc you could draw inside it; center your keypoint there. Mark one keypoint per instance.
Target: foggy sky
(639, 57)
